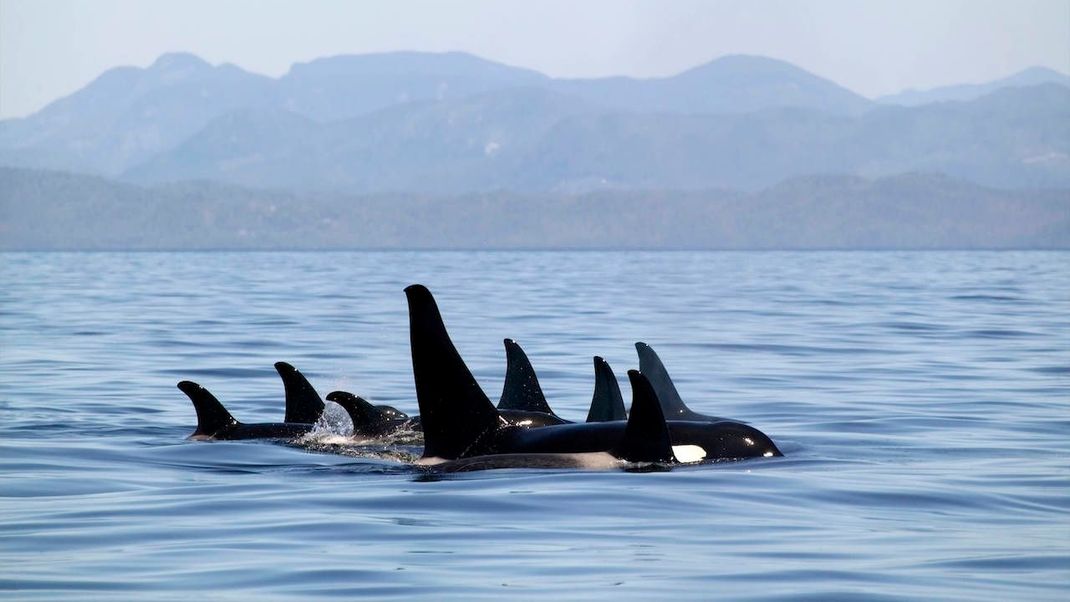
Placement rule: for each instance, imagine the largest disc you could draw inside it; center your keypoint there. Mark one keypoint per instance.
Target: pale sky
(50, 48)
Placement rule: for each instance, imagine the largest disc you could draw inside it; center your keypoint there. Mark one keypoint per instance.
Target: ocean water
(922, 401)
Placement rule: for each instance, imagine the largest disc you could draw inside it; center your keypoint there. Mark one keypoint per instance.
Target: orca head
(739, 441)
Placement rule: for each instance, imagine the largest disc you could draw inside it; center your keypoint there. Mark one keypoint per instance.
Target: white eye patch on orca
(689, 453)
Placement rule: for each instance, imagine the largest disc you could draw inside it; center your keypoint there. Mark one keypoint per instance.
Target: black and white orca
(215, 423)
(459, 421)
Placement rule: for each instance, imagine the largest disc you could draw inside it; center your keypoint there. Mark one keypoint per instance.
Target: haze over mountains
(423, 126)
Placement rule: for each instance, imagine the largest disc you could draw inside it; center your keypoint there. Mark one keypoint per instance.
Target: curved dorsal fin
(521, 390)
(367, 419)
(646, 437)
(303, 403)
(651, 367)
(454, 410)
(212, 417)
(607, 404)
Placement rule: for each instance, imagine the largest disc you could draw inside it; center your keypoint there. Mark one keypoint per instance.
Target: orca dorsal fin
(454, 411)
(212, 417)
(521, 390)
(646, 437)
(367, 419)
(607, 404)
(651, 367)
(303, 403)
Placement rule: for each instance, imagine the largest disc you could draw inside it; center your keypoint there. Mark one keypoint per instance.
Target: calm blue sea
(922, 401)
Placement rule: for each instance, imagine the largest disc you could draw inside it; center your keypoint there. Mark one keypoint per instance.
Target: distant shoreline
(45, 210)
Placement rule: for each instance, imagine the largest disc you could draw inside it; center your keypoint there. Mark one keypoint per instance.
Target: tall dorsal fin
(454, 410)
(607, 404)
(646, 437)
(367, 419)
(212, 417)
(651, 367)
(303, 403)
(521, 390)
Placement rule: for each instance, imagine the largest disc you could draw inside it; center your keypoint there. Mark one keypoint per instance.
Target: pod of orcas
(462, 430)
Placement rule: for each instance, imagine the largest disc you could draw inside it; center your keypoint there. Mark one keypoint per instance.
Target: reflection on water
(921, 400)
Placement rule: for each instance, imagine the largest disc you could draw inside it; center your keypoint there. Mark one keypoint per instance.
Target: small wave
(1001, 333)
(996, 298)
(1060, 370)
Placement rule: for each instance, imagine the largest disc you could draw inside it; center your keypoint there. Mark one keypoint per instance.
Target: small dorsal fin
(646, 437)
(367, 419)
(212, 417)
(521, 390)
(454, 411)
(651, 367)
(607, 404)
(303, 403)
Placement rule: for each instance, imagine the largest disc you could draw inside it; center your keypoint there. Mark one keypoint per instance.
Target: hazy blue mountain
(531, 139)
(453, 123)
(1032, 76)
(730, 84)
(475, 143)
(49, 210)
(129, 114)
(341, 87)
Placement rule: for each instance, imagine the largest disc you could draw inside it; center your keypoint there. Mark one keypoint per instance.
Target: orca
(671, 403)
(215, 423)
(644, 440)
(372, 421)
(607, 404)
(459, 421)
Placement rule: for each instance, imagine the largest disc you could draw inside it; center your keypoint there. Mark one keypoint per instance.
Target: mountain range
(1032, 76)
(454, 123)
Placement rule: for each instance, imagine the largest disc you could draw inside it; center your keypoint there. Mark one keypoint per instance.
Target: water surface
(921, 400)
